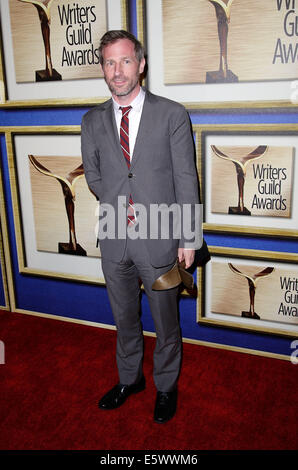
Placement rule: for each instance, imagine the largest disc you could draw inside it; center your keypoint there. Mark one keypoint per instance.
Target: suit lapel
(111, 129)
(146, 123)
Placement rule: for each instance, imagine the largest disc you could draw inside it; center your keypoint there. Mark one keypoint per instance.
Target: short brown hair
(114, 35)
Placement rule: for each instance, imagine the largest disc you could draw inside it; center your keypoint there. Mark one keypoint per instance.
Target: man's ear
(142, 65)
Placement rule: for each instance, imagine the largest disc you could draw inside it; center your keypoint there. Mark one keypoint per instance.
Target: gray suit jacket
(162, 169)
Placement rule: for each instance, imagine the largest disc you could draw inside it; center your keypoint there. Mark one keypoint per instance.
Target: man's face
(121, 68)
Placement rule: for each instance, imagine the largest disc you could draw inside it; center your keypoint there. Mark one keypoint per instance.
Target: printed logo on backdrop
(256, 292)
(63, 206)
(260, 180)
(57, 39)
(229, 41)
(287, 51)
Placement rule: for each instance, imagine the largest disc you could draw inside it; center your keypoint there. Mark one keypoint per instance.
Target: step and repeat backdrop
(233, 65)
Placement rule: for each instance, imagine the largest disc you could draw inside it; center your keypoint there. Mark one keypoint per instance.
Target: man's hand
(187, 255)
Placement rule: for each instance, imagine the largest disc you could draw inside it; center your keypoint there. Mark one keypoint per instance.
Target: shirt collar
(136, 103)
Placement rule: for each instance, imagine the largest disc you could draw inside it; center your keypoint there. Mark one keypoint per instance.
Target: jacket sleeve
(91, 158)
(186, 179)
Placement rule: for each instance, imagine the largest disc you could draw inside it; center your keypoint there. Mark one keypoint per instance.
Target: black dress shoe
(118, 394)
(165, 406)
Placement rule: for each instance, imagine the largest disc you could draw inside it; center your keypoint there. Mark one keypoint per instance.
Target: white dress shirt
(134, 118)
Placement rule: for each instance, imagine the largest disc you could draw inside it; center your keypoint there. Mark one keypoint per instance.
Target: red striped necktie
(124, 142)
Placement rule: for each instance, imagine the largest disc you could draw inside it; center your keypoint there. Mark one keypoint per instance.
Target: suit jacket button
(130, 175)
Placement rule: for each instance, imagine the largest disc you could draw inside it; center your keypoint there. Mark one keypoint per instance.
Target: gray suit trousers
(122, 280)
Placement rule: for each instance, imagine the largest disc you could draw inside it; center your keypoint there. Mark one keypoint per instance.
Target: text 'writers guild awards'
(252, 283)
(223, 15)
(67, 183)
(241, 164)
(43, 8)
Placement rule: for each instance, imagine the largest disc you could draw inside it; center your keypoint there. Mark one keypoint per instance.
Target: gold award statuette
(241, 165)
(67, 183)
(43, 8)
(223, 15)
(252, 282)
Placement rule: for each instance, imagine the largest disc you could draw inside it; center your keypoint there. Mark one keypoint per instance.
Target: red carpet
(55, 372)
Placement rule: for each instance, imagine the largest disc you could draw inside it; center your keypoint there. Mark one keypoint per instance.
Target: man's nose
(118, 68)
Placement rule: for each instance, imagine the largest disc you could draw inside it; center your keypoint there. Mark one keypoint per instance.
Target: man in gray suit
(138, 148)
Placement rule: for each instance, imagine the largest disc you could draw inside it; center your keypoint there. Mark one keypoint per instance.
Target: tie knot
(125, 109)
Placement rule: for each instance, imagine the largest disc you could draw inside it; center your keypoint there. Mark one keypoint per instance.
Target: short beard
(125, 92)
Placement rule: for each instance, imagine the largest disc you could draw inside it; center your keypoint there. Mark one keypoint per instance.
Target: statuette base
(250, 315)
(235, 210)
(66, 249)
(218, 77)
(43, 76)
